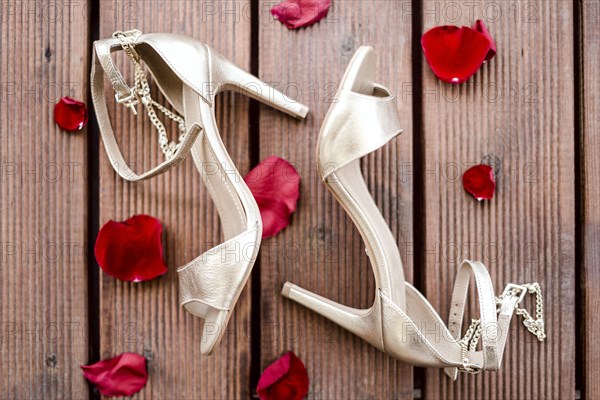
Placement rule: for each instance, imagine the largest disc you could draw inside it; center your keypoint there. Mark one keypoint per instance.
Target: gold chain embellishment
(469, 343)
(535, 326)
(141, 93)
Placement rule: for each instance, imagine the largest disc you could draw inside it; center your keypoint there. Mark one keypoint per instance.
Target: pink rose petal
(131, 250)
(123, 375)
(479, 181)
(454, 54)
(70, 115)
(286, 378)
(480, 27)
(298, 13)
(275, 184)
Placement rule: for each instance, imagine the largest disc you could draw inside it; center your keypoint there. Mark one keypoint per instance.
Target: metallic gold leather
(190, 74)
(401, 321)
(412, 340)
(364, 323)
(345, 181)
(214, 277)
(118, 162)
(363, 117)
(357, 125)
(487, 306)
(103, 51)
(176, 62)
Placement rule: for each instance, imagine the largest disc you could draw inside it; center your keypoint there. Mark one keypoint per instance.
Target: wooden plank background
(43, 288)
(533, 109)
(518, 111)
(321, 250)
(147, 317)
(590, 189)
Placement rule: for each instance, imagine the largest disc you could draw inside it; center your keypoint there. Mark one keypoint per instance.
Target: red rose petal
(298, 13)
(479, 181)
(71, 115)
(132, 250)
(123, 375)
(275, 184)
(454, 54)
(285, 379)
(480, 27)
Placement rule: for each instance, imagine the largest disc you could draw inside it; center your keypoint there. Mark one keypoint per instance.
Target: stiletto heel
(351, 319)
(401, 321)
(190, 74)
(231, 77)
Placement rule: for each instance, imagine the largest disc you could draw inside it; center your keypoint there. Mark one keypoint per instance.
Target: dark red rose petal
(480, 27)
(275, 184)
(454, 54)
(71, 115)
(123, 375)
(132, 250)
(298, 13)
(479, 181)
(285, 379)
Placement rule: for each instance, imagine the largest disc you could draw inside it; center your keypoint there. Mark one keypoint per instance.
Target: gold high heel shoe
(190, 74)
(401, 321)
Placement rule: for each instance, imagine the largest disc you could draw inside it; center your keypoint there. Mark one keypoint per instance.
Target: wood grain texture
(43, 203)
(519, 109)
(321, 250)
(146, 318)
(590, 167)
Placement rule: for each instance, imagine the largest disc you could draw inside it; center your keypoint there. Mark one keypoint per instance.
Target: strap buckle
(470, 369)
(130, 101)
(130, 36)
(513, 289)
(534, 325)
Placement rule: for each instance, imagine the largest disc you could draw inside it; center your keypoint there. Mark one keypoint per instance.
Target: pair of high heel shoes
(362, 119)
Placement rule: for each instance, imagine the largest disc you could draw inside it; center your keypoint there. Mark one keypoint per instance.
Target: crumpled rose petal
(275, 184)
(131, 250)
(70, 115)
(285, 379)
(480, 27)
(454, 54)
(298, 13)
(479, 181)
(122, 375)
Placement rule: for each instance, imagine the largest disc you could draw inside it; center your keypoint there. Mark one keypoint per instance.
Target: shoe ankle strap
(102, 63)
(487, 306)
(491, 328)
(104, 49)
